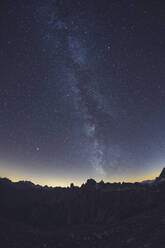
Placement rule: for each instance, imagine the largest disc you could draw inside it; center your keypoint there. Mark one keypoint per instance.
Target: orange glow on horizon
(64, 182)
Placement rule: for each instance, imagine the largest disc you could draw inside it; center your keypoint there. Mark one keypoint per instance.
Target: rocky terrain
(93, 215)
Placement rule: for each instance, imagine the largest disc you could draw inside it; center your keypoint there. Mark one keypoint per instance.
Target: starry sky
(82, 90)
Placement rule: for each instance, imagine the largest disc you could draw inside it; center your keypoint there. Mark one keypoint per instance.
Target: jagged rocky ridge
(93, 215)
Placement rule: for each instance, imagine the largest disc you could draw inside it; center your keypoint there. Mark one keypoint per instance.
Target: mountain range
(93, 215)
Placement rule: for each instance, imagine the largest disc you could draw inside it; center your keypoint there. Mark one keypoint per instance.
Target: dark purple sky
(82, 90)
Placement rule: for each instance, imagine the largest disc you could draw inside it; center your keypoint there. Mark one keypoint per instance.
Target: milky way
(79, 88)
(85, 93)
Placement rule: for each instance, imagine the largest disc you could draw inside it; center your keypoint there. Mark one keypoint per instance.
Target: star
(37, 149)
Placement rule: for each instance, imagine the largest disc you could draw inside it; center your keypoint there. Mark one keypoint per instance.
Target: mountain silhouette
(93, 215)
(162, 174)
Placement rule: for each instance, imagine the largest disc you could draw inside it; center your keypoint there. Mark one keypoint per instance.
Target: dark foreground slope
(94, 215)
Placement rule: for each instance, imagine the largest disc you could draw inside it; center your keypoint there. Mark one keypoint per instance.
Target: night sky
(82, 90)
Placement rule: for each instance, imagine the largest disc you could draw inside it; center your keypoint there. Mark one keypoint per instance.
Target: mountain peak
(162, 174)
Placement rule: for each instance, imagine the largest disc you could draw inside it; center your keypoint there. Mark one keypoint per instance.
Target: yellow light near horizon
(65, 183)
(65, 180)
